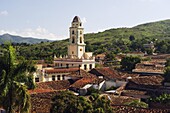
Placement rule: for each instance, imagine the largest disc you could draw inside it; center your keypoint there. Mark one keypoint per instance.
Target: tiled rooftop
(80, 73)
(50, 86)
(128, 109)
(112, 74)
(120, 100)
(148, 80)
(61, 70)
(106, 72)
(84, 81)
(54, 85)
(41, 102)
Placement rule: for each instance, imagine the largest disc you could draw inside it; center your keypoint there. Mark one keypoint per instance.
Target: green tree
(15, 79)
(67, 102)
(167, 74)
(164, 49)
(131, 38)
(167, 71)
(110, 56)
(167, 63)
(128, 63)
(100, 104)
(137, 103)
(149, 51)
(163, 98)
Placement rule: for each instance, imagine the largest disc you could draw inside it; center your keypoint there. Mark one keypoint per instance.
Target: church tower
(76, 47)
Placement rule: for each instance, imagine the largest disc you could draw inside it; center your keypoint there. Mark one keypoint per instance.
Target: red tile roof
(63, 70)
(39, 91)
(80, 73)
(84, 81)
(135, 92)
(129, 109)
(50, 86)
(41, 102)
(41, 96)
(54, 85)
(148, 80)
(120, 100)
(106, 72)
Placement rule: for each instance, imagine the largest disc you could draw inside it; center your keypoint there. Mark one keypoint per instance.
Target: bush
(164, 98)
(128, 63)
(137, 103)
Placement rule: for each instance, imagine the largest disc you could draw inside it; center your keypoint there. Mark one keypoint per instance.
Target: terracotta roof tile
(129, 109)
(120, 100)
(112, 74)
(63, 70)
(39, 91)
(106, 72)
(80, 73)
(41, 102)
(54, 85)
(148, 80)
(83, 81)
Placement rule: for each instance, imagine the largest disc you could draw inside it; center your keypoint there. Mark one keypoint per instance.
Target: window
(85, 67)
(80, 24)
(53, 77)
(72, 52)
(61, 65)
(67, 65)
(72, 64)
(58, 77)
(63, 77)
(36, 79)
(80, 32)
(80, 39)
(90, 66)
(57, 64)
(73, 32)
(73, 40)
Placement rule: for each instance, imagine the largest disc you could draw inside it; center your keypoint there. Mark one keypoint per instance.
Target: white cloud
(39, 32)
(4, 13)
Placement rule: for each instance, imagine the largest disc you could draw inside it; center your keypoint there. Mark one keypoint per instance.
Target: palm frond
(23, 97)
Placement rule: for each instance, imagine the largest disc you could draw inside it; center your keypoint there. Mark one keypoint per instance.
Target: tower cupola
(76, 22)
(76, 19)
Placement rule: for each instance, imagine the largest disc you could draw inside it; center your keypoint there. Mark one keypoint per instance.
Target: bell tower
(76, 47)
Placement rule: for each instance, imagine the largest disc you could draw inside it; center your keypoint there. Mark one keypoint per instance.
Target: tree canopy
(67, 102)
(167, 71)
(15, 78)
(128, 63)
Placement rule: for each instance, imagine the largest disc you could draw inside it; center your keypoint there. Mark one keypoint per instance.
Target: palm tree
(15, 78)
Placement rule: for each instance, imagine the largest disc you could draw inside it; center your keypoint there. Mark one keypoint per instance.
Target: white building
(77, 57)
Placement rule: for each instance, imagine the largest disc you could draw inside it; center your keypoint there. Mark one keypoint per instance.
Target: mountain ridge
(20, 39)
(116, 40)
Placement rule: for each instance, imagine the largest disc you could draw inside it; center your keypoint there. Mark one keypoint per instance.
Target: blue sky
(51, 19)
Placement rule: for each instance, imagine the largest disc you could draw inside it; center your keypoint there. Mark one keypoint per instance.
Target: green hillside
(112, 40)
(19, 39)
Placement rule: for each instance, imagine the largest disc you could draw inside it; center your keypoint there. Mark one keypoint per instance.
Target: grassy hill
(19, 39)
(112, 40)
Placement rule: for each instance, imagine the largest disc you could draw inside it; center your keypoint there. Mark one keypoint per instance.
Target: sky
(51, 19)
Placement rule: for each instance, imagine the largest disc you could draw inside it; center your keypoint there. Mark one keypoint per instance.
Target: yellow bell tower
(76, 47)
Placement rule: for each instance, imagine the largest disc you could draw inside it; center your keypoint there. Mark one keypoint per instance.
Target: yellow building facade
(77, 57)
